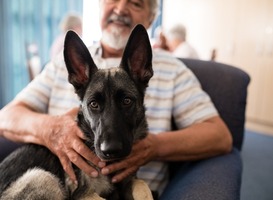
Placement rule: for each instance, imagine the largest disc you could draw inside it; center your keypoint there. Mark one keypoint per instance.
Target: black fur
(112, 117)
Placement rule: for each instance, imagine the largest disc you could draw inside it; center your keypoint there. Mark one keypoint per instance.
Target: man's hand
(64, 138)
(143, 151)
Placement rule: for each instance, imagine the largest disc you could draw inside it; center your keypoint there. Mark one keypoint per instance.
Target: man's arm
(199, 141)
(60, 134)
(17, 124)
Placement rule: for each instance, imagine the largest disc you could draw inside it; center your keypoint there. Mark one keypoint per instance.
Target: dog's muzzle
(113, 150)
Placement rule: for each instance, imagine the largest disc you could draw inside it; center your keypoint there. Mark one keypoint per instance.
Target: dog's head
(112, 114)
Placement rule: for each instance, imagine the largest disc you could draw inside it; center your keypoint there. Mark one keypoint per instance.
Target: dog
(111, 115)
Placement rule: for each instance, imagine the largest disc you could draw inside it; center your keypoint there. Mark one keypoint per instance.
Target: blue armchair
(216, 178)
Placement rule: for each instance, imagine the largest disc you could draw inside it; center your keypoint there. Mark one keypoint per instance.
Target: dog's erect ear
(79, 63)
(137, 56)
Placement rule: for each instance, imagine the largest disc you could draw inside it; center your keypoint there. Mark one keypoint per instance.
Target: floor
(257, 155)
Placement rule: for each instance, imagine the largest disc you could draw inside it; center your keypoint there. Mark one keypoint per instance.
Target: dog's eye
(127, 101)
(94, 104)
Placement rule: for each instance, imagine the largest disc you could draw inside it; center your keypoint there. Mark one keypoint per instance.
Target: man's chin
(119, 29)
(115, 38)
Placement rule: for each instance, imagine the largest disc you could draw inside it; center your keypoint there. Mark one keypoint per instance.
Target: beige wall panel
(242, 32)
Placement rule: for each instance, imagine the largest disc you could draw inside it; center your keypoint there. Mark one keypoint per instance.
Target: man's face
(118, 17)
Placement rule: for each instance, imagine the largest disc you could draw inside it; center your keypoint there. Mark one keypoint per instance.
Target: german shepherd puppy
(111, 115)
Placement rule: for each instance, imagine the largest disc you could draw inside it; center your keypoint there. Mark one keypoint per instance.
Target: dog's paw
(141, 191)
(94, 196)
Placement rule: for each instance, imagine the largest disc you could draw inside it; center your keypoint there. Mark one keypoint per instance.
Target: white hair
(177, 32)
(70, 21)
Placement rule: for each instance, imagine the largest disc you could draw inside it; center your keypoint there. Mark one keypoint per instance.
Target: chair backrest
(227, 87)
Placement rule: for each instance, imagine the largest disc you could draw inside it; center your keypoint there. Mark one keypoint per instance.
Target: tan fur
(35, 179)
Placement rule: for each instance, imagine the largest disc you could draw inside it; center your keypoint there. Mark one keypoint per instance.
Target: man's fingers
(114, 167)
(67, 166)
(140, 155)
(86, 153)
(66, 141)
(120, 176)
(75, 158)
(80, 134)
(124, 169)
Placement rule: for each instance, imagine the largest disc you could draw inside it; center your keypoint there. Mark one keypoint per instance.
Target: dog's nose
(111, 150)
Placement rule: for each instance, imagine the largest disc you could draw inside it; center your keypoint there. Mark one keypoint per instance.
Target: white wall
(91, 27)
(242, 33)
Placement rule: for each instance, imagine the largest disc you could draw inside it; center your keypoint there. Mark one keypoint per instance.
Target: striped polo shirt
(172, 91)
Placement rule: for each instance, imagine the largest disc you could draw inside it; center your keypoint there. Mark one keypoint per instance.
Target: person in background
(160, 40)
(177, 43)
(48, 107)
(70, 21)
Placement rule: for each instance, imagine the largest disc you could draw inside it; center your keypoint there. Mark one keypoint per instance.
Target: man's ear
(137, 56)
(79, 63)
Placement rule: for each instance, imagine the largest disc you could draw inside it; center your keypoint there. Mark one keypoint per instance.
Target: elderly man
(46, 116)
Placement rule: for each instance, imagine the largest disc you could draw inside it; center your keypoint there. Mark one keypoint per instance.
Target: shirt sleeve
(191, 103)
(37, 93)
